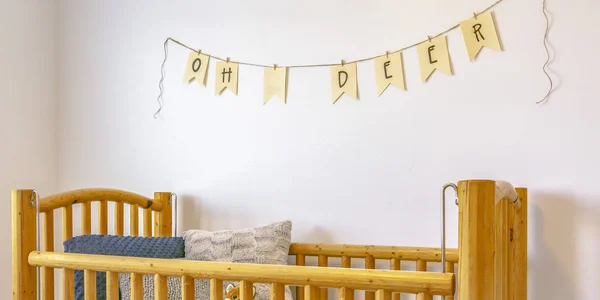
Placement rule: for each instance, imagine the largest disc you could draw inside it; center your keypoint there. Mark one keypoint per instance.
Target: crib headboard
(157, 221)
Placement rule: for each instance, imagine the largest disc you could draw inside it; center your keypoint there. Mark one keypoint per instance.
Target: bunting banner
(478, 32)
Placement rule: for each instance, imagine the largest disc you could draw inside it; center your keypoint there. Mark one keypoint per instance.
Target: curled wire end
(159, 99)
(551, 88)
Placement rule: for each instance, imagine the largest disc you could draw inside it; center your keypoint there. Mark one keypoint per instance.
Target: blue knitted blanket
(153, 247)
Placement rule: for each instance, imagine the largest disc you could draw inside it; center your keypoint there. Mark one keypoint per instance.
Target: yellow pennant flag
(196, 68)
(343, 80)
(227, 77)
(389, 70)
(275, 83)
(433, 54)
(479, 32)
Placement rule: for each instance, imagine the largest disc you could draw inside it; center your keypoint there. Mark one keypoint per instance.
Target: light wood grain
(163, 222)
(137, 286)
(23, 224)
(160, 287)
(383, 295)
(501, 248)
(246, 290)
(449, 268)
(187, 288)
(103, 217)
(48, 245)
(147, 222)
(89, 285)
(311, 292)
(394, 281)
(346, 293)
(134, 220)
(476, 210)
(86, 218)
(369, 264)
(378, 252)
(112, 286)
(422, 267)
(97, 194)
(119, 218)
(300, 261)
(395, 265)
(277, 291)
(517, 251)
(68, 279)
(216, 289)
(322, 261)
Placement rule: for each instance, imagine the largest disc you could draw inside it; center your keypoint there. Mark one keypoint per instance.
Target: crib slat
(395, 265)
(346, 293)
(133, 220)
(137, 291)
(369, 264)
(89, 284)
(112, 286)
(246, 290)
(103, 217)
(67, 233)
(216, 289)
(187, 288)
(300, 261)
(48, 243)
(86, 217)
(311, 292)
(383, 295)
(449, 268)
(277, 291)
(147, 222)
(422, 266)
(119, 217)
(323, 262)
(163, 218)
(160, 287)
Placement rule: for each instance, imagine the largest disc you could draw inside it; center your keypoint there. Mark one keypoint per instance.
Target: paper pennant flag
(227, 77)
(343, 80)
(275, 83)
(389, 70)
(478, 32)
(196, 68)
(433, 54)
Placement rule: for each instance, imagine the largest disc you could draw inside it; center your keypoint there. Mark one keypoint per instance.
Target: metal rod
(173, 200)
(447, 185)
(35, 197)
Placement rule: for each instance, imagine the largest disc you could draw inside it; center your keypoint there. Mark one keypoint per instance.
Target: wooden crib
(491, 258)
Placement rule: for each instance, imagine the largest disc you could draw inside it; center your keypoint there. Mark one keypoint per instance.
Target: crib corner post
(517, 251)
(476, 209)
(163, 222)
(23, 227)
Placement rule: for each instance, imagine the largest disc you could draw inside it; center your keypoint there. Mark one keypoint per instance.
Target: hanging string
(550, 89)
(162, 78)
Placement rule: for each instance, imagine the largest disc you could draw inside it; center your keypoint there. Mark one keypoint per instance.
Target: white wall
(28, 156)
(365, 171)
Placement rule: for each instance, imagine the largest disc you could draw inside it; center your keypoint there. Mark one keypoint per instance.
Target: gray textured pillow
(268, 244)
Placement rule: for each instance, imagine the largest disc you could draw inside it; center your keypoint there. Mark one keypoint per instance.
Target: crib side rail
(383, 281)
(157, 221)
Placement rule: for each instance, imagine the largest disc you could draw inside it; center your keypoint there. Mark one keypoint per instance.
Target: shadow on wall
(558, 268)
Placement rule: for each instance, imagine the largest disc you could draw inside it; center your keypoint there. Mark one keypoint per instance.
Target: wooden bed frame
(491, 258)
